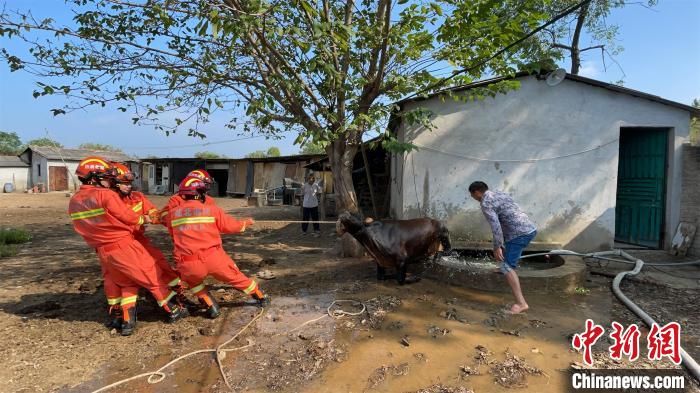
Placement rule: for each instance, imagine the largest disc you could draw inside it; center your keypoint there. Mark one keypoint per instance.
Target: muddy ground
(420, 337)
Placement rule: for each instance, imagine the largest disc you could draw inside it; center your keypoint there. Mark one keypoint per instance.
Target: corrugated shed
(12, 161)
(56, 153)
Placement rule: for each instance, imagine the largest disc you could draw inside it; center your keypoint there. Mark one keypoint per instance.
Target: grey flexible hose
(603, 254)
(686, 359)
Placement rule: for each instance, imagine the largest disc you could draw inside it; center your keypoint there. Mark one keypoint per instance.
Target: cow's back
(404, 238)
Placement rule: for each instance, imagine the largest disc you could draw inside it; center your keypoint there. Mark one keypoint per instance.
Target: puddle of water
(437, 358)
(437, 348)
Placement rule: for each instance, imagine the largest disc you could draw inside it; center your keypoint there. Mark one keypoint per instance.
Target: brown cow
(396, 243)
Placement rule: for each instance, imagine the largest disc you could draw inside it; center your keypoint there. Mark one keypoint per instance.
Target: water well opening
(474, 268)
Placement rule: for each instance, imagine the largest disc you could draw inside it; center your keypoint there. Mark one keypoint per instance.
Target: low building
(371, 181)
(53, 168)
(232, 176)
(592, 163)
(14, 171)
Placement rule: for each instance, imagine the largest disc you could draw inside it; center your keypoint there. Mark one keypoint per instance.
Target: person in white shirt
(310, 190)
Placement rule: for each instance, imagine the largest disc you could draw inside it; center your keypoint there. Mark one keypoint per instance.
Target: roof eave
(575, 78)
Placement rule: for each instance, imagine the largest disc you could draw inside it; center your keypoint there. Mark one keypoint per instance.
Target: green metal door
(641, 186)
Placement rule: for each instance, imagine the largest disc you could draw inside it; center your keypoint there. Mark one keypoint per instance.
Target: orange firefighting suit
(196, 228)
(108, 225)
(138, 202)
(175, 201)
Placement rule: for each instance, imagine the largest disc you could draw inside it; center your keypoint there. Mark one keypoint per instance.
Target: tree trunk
(341, 154)
(575, 50)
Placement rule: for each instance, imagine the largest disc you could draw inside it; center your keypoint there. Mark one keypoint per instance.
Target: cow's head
(350, 223)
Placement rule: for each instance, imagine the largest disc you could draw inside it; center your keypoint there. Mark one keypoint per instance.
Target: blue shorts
(514, 250)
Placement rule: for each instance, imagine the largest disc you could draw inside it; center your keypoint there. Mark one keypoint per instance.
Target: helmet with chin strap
(191, 186)
(202, 175)
(94, 167)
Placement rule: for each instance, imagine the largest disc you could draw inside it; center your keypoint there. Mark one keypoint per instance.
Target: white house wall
(17, 176)
(572, 199)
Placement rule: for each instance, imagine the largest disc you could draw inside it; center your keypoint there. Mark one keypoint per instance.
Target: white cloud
(590, 69)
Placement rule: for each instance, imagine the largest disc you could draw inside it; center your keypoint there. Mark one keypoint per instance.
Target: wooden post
(322, 206)
(369, 179)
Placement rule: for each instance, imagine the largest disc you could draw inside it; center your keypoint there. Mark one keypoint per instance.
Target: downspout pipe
(688, 362)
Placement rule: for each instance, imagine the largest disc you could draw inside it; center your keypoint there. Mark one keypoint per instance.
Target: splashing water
(470, 263)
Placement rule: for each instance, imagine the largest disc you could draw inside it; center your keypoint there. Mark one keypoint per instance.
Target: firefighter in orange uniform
(107, 225)
(196, 228)
(176, 199)
(138, 202)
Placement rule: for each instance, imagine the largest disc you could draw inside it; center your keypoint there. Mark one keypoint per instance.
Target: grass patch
(582, 291)
(8, 240)
(14, 236)
(8, 250)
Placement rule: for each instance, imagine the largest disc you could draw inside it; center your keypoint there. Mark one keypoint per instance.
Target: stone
(347, 247)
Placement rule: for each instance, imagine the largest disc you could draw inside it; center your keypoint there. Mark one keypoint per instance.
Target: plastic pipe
(686, 359)
(690, 364)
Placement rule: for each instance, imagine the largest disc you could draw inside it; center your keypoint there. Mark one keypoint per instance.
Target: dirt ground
(421, 337)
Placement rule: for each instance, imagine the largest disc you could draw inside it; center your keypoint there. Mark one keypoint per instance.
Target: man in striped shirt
(512, 231)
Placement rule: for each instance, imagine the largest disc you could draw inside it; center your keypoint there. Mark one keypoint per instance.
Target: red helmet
(191, 185)
(202, 175)
(94, 166)
(123, 173)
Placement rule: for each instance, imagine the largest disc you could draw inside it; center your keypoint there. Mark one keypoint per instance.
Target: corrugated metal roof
(298, 157)
(12, 161)
(55, 153)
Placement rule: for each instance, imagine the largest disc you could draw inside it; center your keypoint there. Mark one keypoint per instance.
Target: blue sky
(661, 56)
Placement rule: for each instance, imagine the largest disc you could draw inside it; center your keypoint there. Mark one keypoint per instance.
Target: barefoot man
(512, 231)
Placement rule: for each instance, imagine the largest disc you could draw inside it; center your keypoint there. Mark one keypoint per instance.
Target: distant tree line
(11, 144)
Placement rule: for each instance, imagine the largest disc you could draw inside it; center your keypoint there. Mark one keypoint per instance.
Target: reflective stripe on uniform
(114, 300)
(250, 288)
(87, 214)
(163, 214)
(141, 220)
(129, 300)
(198, 288)
(167, 299)
(174, 282)
(193, 220)
(137, 207)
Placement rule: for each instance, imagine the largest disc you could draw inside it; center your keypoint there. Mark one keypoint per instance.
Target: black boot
(182, 298)
(115, 317)
(129, 322)
(210, 303)
(263, 300)
(175, 311)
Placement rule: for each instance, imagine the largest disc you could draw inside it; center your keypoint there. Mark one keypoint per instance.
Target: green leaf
(307, 7)
(203, 29)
